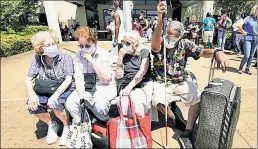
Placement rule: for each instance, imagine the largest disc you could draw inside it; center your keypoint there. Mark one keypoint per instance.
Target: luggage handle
(212, 71)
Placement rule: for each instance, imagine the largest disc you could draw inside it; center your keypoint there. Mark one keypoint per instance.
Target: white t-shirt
(239, 22)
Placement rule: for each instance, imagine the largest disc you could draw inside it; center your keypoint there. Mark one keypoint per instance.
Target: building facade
(97, 12)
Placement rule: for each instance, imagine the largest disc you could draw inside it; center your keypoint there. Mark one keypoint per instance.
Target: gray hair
(178, 26)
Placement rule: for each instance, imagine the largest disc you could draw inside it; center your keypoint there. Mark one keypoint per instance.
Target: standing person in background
(237, 35)
(137, 27)
(155, 22)
(208, 30)
(144, 23)
(221, 29)
(250, 40)
(111, 28)
(119, 25)
(77, 25)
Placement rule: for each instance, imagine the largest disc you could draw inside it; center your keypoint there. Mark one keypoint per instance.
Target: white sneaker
(52, 133)
(64, 136)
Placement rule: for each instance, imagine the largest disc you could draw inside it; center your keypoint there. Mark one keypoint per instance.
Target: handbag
(129, 132)
(46, 87)
(90, 81)
(79, 135)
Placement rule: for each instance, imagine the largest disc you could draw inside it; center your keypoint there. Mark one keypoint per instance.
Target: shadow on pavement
(42, 127)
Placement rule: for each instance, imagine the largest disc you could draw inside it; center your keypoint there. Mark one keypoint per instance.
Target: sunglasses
(84, 46)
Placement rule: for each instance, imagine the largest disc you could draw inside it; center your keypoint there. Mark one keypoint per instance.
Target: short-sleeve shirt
(132, 64)
(101, 58)
(239, 22)
(62, 67)
(209, 24)
(250, 26)
(176, 61)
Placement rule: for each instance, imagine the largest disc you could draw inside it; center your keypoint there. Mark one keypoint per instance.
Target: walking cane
(165, 75)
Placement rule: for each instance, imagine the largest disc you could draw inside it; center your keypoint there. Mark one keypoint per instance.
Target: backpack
(227, 24)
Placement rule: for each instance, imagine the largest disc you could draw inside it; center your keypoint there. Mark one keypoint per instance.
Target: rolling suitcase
(219, 113)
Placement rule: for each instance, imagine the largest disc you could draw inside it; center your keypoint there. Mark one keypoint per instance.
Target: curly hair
(86, 32)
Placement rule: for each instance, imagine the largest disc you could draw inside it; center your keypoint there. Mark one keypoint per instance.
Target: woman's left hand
(88, 57)
(52, 101)
(125, 92)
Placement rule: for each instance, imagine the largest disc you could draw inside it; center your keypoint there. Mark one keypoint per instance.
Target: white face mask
(89, 50)
(51, 51)
(128, 49)
(172, 41)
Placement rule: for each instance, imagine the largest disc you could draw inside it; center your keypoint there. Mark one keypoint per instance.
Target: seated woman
(92, 75)
(53, 68)
(134, 64)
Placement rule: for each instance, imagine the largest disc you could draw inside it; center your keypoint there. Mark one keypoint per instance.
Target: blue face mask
(51, 51)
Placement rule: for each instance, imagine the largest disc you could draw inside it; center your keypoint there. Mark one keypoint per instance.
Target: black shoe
(185, 143)
(179, 123)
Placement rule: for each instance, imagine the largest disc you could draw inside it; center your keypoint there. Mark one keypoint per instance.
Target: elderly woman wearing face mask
(54, 70)
(92, 75)
(133, 67)
(177, 52)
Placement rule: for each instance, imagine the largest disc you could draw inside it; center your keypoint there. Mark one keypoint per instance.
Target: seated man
(91, 67)
(178, 51)
(134, 64)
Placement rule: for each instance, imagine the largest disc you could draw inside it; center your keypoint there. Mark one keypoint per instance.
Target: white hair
(178, 26)
(133, 35)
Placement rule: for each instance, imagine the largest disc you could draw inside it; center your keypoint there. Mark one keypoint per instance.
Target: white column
(127, 17)
(81, 15)
(183, 11)
(52, 18)
(207, 7)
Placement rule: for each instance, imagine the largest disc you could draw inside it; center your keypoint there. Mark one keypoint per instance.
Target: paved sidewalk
(19, 127)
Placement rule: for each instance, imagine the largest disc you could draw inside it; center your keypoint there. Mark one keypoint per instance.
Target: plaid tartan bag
(130, 132)
(79, 135)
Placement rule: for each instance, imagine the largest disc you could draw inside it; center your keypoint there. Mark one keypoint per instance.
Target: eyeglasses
(126, 43)
(84, 46)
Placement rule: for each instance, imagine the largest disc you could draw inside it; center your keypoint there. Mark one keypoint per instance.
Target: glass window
(151, 2)
(139, 2)
(151, 12)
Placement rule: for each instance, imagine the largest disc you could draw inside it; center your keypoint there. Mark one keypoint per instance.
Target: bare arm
(101, 73)
(157, 39)
(79, 78)
(29, 83)
(66, 83)
(117, 25)
(147, 25)
(207, 53)
(138, 77)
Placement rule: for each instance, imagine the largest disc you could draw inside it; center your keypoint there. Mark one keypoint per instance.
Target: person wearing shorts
(49, 63)
(178, 88)
(208, 30)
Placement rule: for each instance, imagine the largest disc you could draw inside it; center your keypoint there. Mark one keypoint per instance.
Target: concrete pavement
(18, 126)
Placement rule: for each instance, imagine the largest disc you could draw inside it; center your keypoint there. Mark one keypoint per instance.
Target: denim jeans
(236, 40)
(221, 38)
(250, 47)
